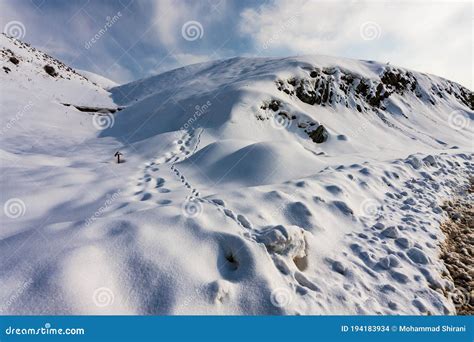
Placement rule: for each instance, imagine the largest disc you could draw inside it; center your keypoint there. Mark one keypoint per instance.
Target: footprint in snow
(334, 189)
(305, 282)
(146, 196)
(160, 182)
(243, 221)
(218, 201)
(229, 213)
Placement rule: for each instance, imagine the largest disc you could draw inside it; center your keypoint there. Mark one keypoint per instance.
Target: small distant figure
(118, 154)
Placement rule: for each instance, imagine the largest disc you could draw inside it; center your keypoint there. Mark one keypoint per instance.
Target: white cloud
(171, 15)
(434, 37)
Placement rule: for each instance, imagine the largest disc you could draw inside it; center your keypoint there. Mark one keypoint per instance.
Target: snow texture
(228, 201)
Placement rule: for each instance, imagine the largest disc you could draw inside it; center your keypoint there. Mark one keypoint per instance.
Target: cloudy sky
(129, 39)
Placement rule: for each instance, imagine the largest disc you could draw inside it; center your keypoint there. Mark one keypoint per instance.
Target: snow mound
(254, 164)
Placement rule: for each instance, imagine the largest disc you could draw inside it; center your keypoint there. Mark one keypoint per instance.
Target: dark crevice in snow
(94, 109)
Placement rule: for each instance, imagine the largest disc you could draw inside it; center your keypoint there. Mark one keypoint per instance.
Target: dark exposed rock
(319, 135)
(399, 80)
(6, 69)
(274, 105)
(99, 110)
(363, 88)
(305, 94)
(333, 85)
(14, 60)
(50, 70)
(330, 71)
(286, 115)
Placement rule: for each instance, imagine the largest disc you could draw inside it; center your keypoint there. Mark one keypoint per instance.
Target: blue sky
(130, 39)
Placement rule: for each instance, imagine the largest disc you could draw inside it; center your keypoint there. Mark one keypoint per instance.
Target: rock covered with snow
(284, 240)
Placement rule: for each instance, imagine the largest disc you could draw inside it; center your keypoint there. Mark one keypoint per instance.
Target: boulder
(50, 70)
(319, 135)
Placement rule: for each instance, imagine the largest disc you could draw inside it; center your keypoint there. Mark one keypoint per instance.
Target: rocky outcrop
(38, 59)
(331, 86)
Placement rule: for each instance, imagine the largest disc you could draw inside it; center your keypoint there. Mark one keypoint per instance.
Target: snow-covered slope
(33, 111)
(98, 79)
(306, 185)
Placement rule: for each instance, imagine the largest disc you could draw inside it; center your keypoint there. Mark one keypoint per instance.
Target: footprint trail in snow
(160, 182)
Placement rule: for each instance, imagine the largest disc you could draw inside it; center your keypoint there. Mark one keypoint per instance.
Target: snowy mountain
(303, 185)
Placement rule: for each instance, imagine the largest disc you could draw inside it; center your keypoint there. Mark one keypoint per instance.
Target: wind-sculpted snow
(305, 185)
(254, 164)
